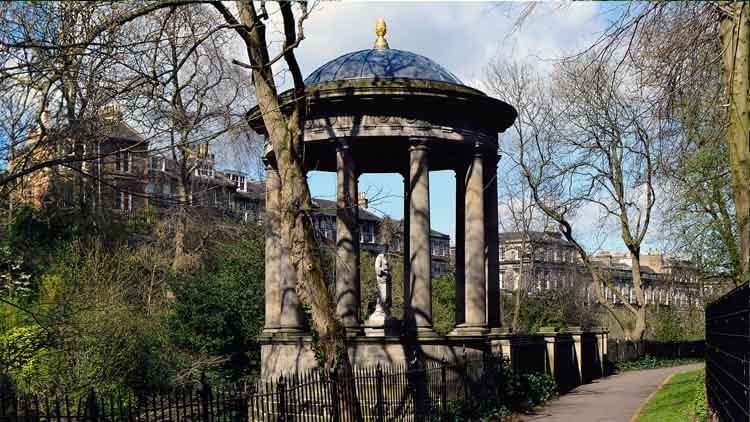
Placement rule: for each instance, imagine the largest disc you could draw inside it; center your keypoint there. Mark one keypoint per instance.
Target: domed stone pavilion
(384, 110)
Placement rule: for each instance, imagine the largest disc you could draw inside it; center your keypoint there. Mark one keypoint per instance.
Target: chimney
(111, 112)
(362, 200)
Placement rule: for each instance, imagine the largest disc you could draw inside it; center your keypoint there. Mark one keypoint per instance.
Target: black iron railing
(728, 355)
(430, 390)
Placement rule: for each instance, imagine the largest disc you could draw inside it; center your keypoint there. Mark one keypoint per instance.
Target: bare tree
(673, 46)
(190, 98)
(57, 85)
(518, 207)
(586, 139)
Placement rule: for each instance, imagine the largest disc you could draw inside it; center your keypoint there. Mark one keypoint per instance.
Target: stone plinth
(294, 354)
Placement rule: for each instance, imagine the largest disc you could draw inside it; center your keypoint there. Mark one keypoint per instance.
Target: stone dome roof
(381, 63)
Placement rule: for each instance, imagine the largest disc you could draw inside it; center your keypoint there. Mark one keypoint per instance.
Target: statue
(382, 313)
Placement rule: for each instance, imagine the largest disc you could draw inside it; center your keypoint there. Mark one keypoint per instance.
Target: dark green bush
(650, 362)
(517, 392)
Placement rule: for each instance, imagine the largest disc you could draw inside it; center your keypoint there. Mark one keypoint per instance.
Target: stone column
(550, 338)
(405, 242)
(492, 258)
(460, 243)
(475, 298)
(419, 309)
(577, 334)
(273, 249)
(347, 238)
(600, 348)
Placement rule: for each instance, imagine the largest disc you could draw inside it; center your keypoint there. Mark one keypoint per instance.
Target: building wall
(544, 260)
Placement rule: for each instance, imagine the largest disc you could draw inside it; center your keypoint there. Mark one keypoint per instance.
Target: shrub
(698, 410)
(651, 362)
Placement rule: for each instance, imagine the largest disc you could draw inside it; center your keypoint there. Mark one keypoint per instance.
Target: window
(239, 182)
(150, 188)
(126, 201)
(500, 279)
(367, 233)
(156, 163)
(205, 170)
(166, 189)
(501, 252)
(123, 161)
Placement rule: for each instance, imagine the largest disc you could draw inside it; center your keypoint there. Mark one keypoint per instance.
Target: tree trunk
(639, 330)
(734, 30)
(179, 261)
(285, 133)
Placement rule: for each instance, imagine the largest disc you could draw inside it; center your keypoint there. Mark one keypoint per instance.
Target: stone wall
(572, 357)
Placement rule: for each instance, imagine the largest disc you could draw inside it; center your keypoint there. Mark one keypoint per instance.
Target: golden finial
(380, 30)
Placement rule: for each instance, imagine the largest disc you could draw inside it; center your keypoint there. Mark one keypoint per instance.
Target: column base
(469, 330)
(269, 332)
(354, 330)
(289, 332)
(421, 332)
(499, 331)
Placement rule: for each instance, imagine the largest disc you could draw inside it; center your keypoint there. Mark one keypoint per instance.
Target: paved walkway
(611, 399)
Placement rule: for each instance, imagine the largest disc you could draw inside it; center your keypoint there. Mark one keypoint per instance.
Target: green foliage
(21, 350)
(538, 387)
(557, 308)
(444, 303)
(519, 392)
(219, 312)
(102, 307)
(669, 323)
(651, 362)
(666, 324)
(698, 410)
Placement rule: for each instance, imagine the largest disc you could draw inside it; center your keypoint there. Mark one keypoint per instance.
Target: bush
(698, 410)
(217, 314)
(518, 392)
(651, 362)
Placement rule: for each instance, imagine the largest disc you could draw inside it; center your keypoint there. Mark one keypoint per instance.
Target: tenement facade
(114, 168)
(538, 261)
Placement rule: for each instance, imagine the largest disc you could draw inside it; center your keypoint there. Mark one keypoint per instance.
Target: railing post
(205, 398)
(92, 409)
(466, 379)
(380, 393)
(444, 389)
(336, 411)
(281, 392)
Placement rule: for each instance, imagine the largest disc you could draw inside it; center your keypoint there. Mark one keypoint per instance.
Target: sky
(463, 37)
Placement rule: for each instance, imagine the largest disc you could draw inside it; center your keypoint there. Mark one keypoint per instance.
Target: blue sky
(463, 37)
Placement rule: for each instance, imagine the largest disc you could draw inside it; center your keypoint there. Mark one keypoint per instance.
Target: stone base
(388, 326)
(500, 331)
(289, 333)
(289, 355)
(469, 330)
(354, 331)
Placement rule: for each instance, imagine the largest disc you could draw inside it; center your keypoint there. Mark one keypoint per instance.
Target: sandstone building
(539, 261)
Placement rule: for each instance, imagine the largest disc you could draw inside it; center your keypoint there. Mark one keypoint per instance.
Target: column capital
(479, 150)
(343, 143)
(418, 144)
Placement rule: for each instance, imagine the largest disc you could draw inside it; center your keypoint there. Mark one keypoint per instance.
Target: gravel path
(612, 399)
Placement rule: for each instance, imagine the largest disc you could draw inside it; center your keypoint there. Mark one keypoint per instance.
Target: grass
(676, 400)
